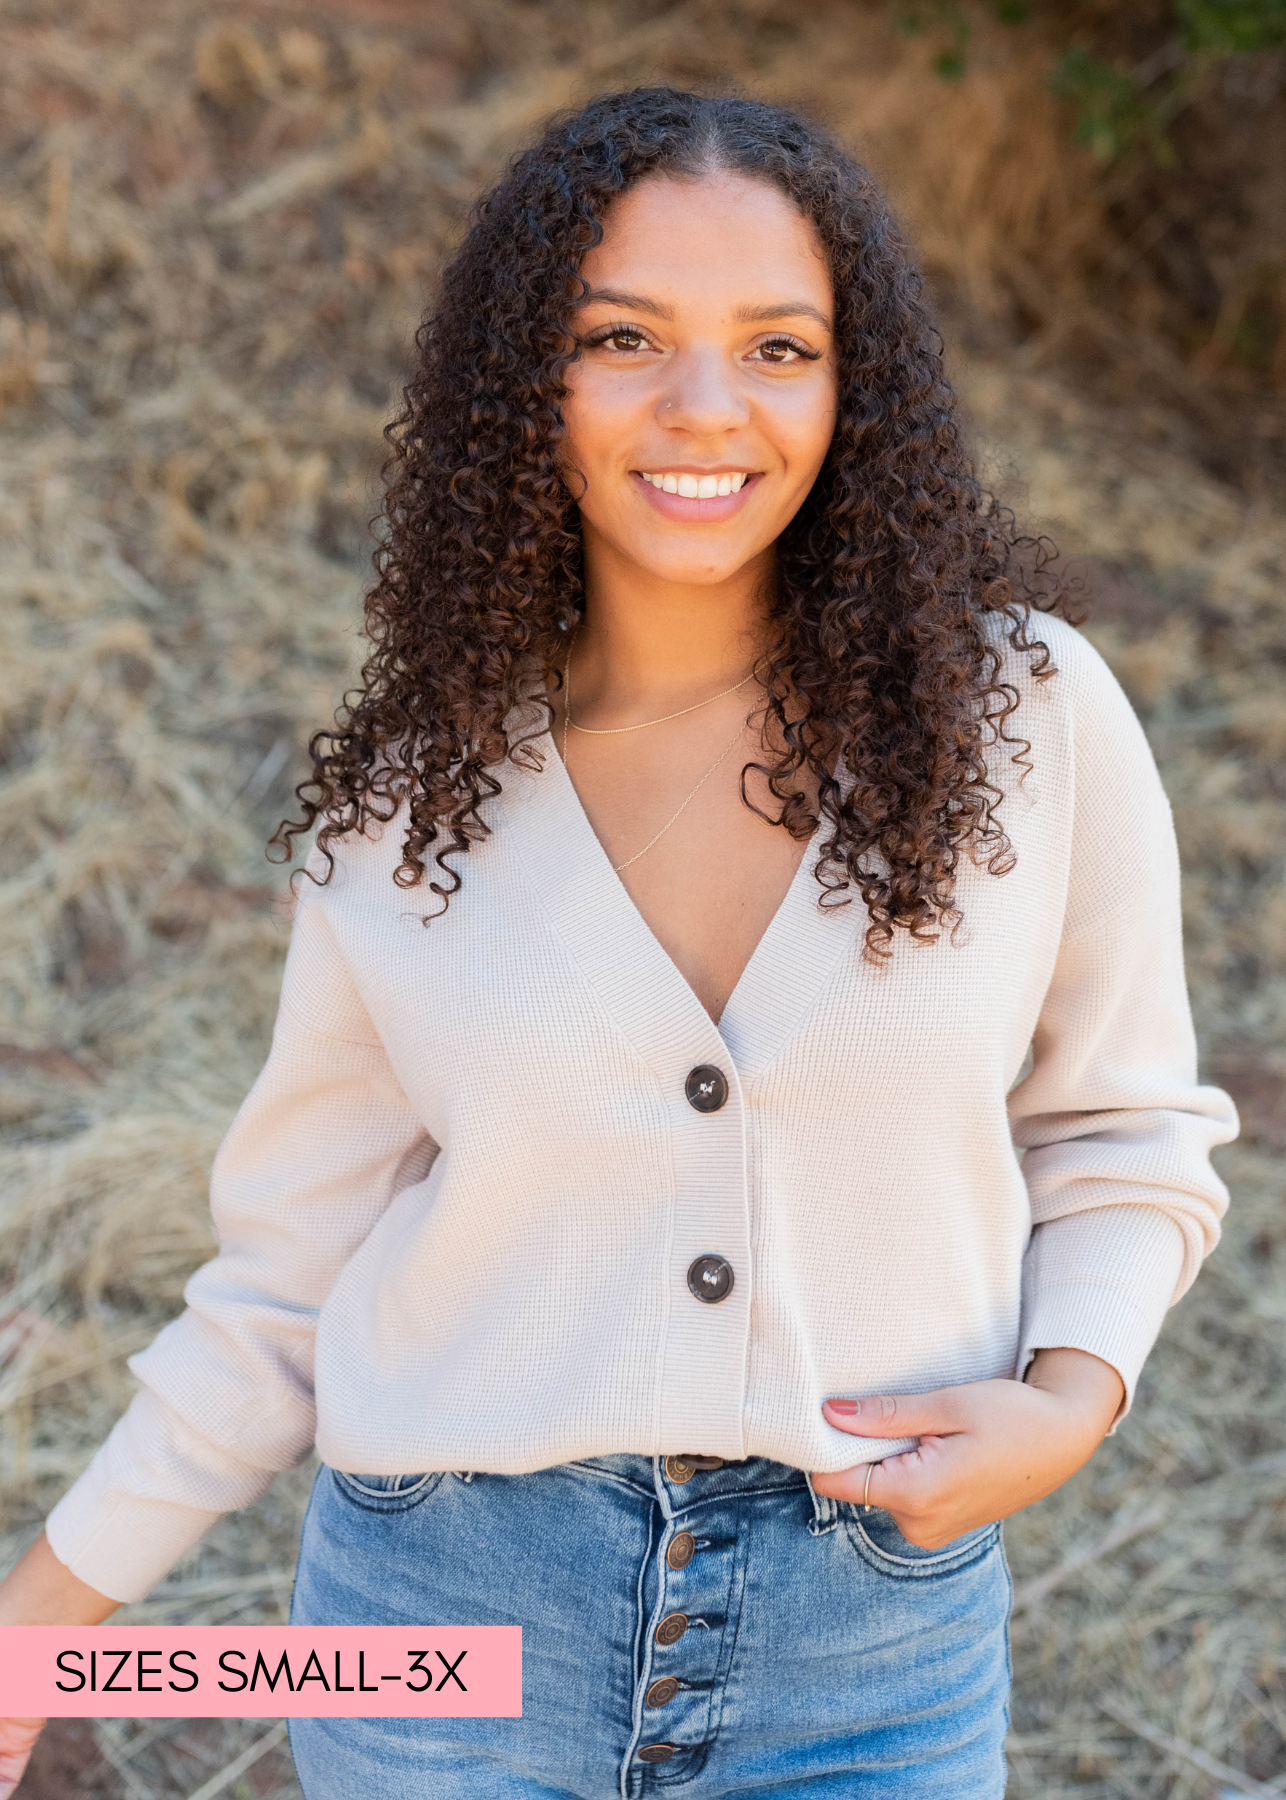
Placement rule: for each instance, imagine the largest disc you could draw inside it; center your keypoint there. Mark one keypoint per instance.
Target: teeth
(693, 487)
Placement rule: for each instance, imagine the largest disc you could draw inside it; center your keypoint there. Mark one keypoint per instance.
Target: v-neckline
(635, 976)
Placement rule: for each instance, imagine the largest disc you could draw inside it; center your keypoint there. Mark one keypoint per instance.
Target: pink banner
(260, 1671)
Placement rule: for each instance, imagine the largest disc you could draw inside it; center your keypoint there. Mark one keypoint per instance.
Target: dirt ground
(215, 243)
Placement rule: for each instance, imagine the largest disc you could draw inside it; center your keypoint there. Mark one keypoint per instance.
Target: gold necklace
(615, 730)
(719, 760)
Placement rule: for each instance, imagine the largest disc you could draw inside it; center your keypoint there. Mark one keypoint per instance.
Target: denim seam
(372, 1493)
(661, 1492)
(631, 1778)
(825, 1510)
(609, 1475)
(366, 1500)
(917, 1568)
(695, 1504)
(723, 1667)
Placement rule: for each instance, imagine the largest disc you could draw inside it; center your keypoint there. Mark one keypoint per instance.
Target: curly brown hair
(882, 655)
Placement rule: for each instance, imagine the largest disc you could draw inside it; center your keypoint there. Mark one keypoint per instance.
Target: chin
(690, 571)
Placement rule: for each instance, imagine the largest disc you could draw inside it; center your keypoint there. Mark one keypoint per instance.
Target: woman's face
(703, 402)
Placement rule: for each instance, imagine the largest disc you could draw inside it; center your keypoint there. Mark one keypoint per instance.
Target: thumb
(896, 1415)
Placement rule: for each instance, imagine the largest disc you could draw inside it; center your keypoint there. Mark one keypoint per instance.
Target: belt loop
(825, 1510)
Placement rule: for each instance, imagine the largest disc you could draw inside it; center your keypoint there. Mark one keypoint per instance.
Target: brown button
(710, 1277)
(706, 1088)
(671, 1628)
(657, 1752)
(683, 1468)
(681, 1551)
(662, 1692)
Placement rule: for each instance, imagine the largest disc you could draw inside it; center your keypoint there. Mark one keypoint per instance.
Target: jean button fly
(681, 1551)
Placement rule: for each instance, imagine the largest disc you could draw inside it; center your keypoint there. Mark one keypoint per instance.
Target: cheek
(597, 413)
(804, 426)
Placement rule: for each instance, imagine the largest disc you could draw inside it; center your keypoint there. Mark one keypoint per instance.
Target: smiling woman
(630, 1208)
(683, 383)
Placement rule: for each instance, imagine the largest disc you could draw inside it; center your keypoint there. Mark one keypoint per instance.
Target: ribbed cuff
(120, 1544)
(1101, 1281)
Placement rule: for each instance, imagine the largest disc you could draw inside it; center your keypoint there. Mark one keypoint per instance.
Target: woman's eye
(783, 350)
(621, 337)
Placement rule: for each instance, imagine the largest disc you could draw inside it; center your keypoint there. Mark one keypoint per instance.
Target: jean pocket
(877, 1540)
(386, 1493)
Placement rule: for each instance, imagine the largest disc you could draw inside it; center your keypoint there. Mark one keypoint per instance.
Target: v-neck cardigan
(458, 1209)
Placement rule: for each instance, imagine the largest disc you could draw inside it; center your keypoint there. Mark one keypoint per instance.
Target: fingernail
(844, 1406)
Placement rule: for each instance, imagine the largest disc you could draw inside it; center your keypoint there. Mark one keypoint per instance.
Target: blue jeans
(802, 1648)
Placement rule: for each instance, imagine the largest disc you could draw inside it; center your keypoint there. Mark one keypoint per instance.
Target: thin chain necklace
(717, 763)
(615, 730)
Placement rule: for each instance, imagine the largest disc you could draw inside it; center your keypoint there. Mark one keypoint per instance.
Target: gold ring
(866, 1491)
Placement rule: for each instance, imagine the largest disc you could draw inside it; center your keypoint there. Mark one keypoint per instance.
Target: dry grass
(217, 241)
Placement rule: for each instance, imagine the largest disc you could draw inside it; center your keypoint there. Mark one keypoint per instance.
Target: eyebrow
(781, 309)
(749, 314)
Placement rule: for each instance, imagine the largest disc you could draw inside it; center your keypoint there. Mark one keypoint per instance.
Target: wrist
(1089, 1387)
(40, 1590)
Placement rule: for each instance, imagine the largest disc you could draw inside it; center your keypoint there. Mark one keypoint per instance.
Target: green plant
(1114, 115)
(948, 21)
(1231, 27)
(1117, 115)
(1118, 112)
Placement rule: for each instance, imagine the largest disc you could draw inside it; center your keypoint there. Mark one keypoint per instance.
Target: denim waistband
(741, 1480)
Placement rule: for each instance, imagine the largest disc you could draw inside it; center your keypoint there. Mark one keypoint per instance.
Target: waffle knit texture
(457, 1209)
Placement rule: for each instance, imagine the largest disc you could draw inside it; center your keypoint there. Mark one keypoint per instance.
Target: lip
(697, 512)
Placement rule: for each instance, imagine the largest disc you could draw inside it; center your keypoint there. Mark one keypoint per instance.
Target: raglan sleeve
(320, 1147)
(1115, 1128)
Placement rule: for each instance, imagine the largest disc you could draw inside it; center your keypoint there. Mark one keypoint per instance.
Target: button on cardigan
(458, 1210)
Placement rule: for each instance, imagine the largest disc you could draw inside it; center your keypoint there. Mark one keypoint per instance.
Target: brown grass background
(215, 239)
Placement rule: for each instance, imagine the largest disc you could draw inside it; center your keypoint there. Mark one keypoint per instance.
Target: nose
(702, 395)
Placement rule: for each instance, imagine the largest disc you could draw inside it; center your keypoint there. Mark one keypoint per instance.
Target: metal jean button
(681, 1551)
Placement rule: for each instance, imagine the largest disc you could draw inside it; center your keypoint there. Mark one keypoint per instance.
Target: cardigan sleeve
(322, 1144)
(1115, 1127)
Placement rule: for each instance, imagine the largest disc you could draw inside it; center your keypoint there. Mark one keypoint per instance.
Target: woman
(717, 878)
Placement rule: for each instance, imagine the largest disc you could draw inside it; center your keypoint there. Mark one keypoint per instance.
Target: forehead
(677, 238)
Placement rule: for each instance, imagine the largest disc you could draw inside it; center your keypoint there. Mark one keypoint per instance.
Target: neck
(646, 642)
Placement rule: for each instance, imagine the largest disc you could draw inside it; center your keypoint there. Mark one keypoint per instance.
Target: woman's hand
(17, 1741)
(39, 1590)
(987, 1448)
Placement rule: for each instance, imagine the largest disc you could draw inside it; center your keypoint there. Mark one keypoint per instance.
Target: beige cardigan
(458, 1210)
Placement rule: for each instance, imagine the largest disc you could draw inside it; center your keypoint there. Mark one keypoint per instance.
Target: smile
(696, 487)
